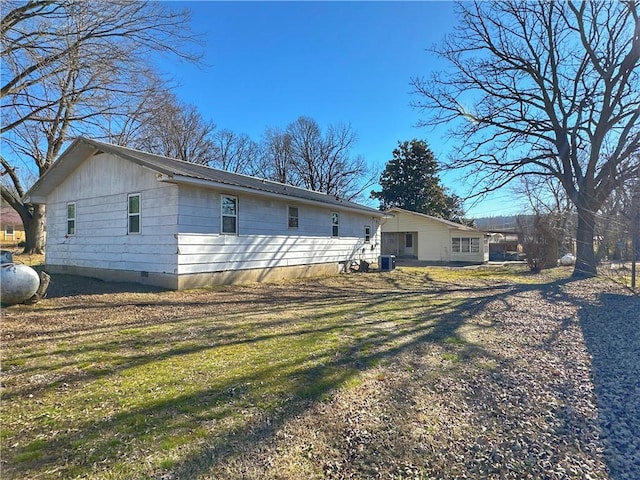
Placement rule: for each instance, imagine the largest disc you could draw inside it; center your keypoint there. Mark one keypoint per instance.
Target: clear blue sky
(337, 62)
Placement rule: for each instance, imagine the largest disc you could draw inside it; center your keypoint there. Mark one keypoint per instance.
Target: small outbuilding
(121, 214)
(421, 237)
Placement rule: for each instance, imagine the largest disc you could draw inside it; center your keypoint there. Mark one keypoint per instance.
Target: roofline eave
(231, 189)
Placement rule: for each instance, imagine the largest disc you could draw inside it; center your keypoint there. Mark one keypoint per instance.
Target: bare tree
(235, 152)
(545, 89)
(276, 155)
(175, 130)
(539, 240)
(323, 162)
(549, 201)
(70, 67)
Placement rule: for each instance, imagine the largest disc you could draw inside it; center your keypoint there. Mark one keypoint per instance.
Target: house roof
(448, 223)
(178, 171)
(8, 216)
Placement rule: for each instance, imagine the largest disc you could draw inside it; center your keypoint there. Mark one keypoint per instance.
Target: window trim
(134, 214)
(72, 219)
(290, 217)
(223, 215)
(367, 234)
(335, 224)
(465, 245)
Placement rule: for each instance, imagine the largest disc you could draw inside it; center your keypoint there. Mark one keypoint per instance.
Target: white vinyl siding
(100, 188)
(211, 253)
(180, 226)
(266, 241)
(433, 240)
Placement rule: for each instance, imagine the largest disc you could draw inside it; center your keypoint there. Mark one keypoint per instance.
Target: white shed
(121, 214)
(425, 238)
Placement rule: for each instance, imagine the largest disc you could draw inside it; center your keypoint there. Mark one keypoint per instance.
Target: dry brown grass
(416, 373)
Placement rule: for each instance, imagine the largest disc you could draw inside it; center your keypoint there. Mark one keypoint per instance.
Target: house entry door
(408, 244)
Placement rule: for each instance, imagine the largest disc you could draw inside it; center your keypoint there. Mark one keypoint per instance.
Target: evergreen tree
(410, 181)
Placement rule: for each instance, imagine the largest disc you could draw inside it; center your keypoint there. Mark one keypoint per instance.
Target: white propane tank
(18, 283)
(567, 260)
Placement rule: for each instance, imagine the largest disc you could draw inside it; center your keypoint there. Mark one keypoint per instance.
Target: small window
(71, 218)
(367, 234)
(335, 224)
(408, 240)
(293, 217)
(229, 214)
(8, 230)
(475, 245)
(455, 245)
(134, 213)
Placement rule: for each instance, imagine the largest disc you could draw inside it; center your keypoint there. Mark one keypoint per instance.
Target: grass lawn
(254, 381)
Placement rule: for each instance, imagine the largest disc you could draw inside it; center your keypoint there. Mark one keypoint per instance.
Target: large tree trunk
(585, 256)
(34, 230)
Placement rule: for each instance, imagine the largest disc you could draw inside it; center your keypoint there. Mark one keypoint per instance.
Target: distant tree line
(300, 154)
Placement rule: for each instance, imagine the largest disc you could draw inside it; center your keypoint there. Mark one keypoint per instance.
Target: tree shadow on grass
(247, 410)
(611, 329)
(63, 285)
(273, 392)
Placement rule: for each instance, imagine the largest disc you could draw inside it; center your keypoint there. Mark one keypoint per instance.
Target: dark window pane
(228, 224)
(134, 224)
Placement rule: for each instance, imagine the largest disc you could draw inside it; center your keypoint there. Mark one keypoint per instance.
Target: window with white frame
(229, 214)
(335, 224)
(71, 218)
(9, 231)
(133, 210)
(465, 244)
(367, 234)
(293, 217)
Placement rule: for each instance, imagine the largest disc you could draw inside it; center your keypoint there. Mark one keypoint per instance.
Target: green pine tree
(410, 181)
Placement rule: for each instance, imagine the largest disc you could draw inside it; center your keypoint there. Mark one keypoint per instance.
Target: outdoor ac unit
(387, 262)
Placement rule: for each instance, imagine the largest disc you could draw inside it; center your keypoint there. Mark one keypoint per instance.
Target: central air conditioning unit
(387, 262)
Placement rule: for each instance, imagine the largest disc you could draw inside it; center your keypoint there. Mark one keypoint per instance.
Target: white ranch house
(424, 238)
(121, 214)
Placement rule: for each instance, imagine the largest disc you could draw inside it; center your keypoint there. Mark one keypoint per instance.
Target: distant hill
(499, 223)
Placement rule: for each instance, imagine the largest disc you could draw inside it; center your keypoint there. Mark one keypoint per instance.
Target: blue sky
(337, 62)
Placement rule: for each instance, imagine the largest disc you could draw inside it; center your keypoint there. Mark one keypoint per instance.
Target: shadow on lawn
(269, 398)
(611, 330)
(264, 398)
(63, 285)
